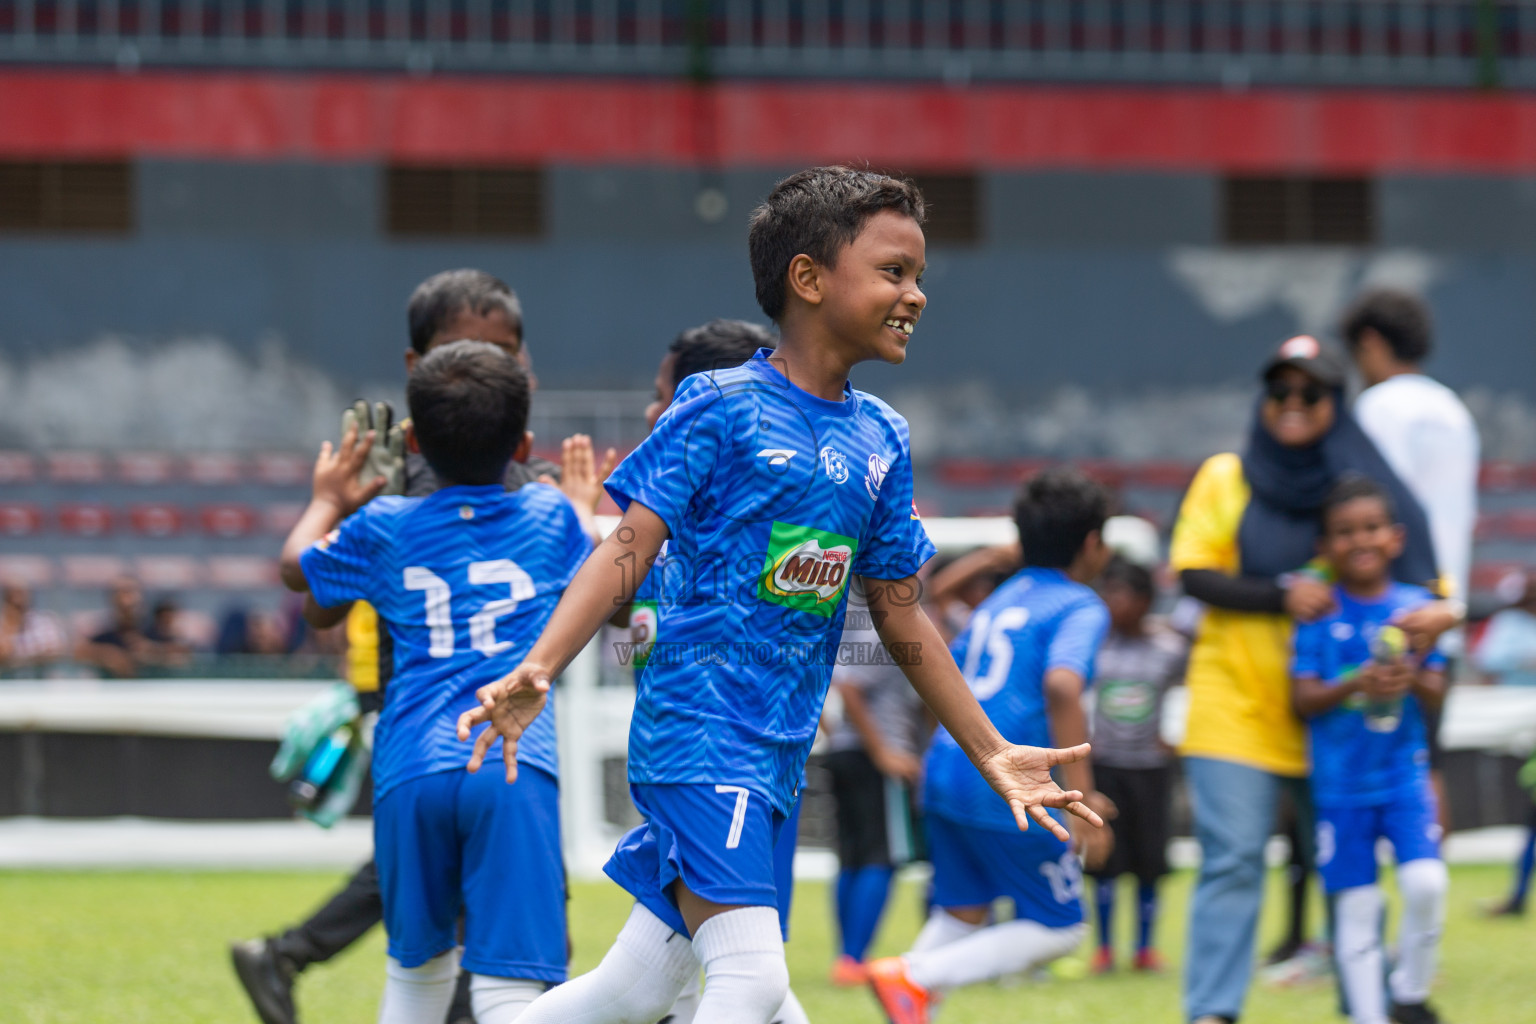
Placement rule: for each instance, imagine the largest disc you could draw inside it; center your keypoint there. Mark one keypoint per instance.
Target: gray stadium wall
(1116, 283)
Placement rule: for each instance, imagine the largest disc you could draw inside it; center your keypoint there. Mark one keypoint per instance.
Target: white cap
(1133, 539)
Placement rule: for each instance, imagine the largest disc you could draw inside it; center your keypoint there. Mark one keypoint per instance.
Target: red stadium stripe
(234, 115)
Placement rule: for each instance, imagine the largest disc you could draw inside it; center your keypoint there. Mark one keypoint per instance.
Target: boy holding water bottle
(1364, 697)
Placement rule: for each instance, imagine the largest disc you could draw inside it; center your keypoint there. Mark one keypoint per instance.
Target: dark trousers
(343, 920)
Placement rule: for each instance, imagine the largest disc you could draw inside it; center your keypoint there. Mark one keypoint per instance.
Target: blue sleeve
(1308, 659)
(678, 459)
(894, 545)
(1077, 639)
(339, 566)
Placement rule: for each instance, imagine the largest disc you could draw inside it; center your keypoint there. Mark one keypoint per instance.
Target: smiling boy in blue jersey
(1027, 653)
(464, 580)
(773, 483)
(717, 345)
(1365, 699)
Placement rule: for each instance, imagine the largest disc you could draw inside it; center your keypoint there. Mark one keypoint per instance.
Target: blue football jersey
(772, 498)
(1362, 756)
(464, 580)
(1036, 621)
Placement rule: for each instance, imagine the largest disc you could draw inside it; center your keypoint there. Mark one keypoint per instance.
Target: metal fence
(1233, 42)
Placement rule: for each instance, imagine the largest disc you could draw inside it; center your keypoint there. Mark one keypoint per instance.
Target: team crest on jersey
(835, 464)
(806, 569)
(324, 543)
(878, 467)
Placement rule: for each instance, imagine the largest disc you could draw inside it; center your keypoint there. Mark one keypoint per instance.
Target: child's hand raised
(336, 473)
(581, 478)
(1022, 776)
(510, 704)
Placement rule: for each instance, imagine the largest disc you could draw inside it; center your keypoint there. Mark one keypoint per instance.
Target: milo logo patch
(806, 569)
(1126, 701)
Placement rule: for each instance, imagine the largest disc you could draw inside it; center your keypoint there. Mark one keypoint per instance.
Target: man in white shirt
(1422, 429)
(1428, 438)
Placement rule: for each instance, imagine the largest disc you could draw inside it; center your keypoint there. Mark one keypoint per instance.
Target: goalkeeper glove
(387, 456)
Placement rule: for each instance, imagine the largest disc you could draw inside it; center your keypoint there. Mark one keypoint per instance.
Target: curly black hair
(1402, 319)
(818, 212)
(1055, 511)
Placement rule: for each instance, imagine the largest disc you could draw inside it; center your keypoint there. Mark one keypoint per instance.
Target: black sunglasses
(1280, 392)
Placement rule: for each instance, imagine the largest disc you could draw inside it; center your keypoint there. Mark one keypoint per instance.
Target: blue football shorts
(974, 866)
(452, 844)
(1346, 837)
(722, 841)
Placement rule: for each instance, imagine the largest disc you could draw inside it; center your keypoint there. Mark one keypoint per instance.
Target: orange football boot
(904, 1000)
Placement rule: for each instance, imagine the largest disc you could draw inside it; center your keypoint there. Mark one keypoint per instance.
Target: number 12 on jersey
(438, 597)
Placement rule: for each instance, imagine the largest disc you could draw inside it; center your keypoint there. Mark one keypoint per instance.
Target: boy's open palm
(1022, 776)
(336, 478)
(510, 704)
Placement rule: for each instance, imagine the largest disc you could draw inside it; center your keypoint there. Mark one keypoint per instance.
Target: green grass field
(149, 948)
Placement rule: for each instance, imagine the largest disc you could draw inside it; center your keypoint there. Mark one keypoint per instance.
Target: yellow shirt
(363, 647)
(1239, 670)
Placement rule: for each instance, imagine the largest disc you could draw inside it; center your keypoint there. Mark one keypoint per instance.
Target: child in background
(1027, 653)
(1132, 766)
(464, 579)
(1364, 698)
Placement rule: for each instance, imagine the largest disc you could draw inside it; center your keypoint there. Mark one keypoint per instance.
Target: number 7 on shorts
(738, 816)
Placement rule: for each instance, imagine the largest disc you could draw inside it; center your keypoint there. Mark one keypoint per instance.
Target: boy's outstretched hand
(510, 704)
(1022, 776)
(337, 479)
(581, 478)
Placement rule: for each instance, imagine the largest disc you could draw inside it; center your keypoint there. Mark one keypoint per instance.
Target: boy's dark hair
(717, 345)
(1125, 573)
(469, 407)
(818, 212)
(1402, 319)
(1352, 487)
(1055, 511)
(444, 296)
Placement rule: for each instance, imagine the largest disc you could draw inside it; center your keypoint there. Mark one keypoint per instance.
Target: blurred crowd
(134, 637)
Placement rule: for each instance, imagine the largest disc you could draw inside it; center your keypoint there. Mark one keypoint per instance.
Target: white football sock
(501, 1000)
(1357, 948)
(416, 994)
(1423, 884)
(941, 929)
(790, 1011)
(636, 983)
(687, 1006)
(992, 952)
(745, 976)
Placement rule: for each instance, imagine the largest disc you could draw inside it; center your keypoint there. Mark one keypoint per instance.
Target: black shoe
(1504, 908)
(1414, 1013)
(1285, 951)
(267, 978)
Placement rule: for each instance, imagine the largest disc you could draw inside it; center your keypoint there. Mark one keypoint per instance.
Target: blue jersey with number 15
(465, 580)
(1036, 621)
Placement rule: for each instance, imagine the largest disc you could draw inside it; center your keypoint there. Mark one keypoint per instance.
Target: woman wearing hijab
(1247, 527)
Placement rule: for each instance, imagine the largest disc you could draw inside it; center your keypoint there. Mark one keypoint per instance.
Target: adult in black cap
(1247, 528)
